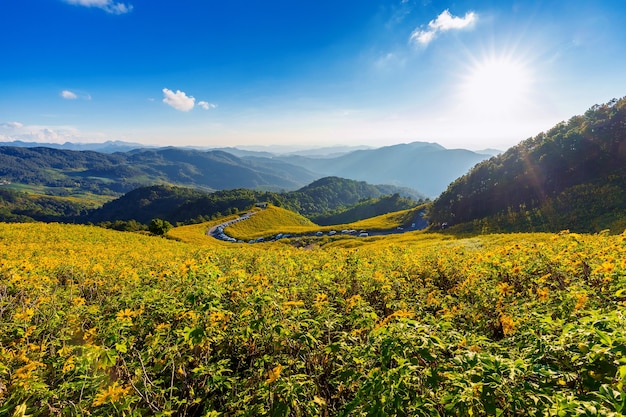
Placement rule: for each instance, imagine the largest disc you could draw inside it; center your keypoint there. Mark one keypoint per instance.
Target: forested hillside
(365, 209)
(321, 198)
(65, 171)
(22, 207)
(177, 204)
(571, 177)
(331, 193)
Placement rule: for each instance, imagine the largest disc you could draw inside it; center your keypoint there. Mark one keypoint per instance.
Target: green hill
(348, 199)
(177, 204)
(571, 177)
(328, 195)
(366, 209)
(114, 174)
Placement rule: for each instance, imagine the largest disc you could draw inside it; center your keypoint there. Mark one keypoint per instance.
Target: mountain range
(425, 167)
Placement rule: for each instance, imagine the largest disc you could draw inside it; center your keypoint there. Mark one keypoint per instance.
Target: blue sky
(465, 74)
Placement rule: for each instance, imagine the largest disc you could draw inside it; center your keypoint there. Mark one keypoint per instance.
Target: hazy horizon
(472, 74)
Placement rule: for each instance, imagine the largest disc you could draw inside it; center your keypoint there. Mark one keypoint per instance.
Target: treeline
(570, 177)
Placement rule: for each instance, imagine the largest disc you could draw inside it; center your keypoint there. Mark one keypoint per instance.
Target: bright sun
(496, 87)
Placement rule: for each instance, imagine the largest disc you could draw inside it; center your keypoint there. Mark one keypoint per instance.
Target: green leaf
(604, 338)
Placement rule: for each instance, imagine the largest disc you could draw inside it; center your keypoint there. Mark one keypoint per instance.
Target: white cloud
(12, 131)
(178, 100)
(206, 105)
(12, 125)
(443, 23)
(107, 5)
(69, 95)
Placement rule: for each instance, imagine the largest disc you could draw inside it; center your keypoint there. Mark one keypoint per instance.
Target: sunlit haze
(468, 74)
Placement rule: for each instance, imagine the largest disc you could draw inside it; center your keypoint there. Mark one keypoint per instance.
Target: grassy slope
(274, 220)
(271, 221)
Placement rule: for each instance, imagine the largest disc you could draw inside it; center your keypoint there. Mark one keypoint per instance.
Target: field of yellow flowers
(97, 322)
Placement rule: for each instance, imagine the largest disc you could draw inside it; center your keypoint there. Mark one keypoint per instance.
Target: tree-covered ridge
(570, 177)
(118, 173)
(325, 197)
(329, 194)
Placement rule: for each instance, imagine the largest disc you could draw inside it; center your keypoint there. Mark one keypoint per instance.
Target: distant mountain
(571, 177)
(489, 152)
(110, 146)
(275, 150)
(121, 172)
(426, 167)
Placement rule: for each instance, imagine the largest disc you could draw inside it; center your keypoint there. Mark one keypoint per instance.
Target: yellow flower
(69, 364)
(353, 301)
(25, 315)
(89, 335)
(274, 373)
(78, 301)
(125, 315)
(543, 294)
(321, 298)
(112, 394)
(508, 325)
(288, 304)
(192, 315)
(505, 288)
(218, 318)
(162, 326)
(581, 300)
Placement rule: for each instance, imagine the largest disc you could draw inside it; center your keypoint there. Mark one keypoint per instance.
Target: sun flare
(496, 86)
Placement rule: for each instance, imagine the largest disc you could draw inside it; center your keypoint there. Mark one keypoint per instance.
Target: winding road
(218, 231)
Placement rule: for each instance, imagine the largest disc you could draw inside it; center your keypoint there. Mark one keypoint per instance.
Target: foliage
(159, 227)
(330, 195)
(104, 323)
(186, 205)
(366, 209)
(20, 207)
(120, 172)
(570, 177)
